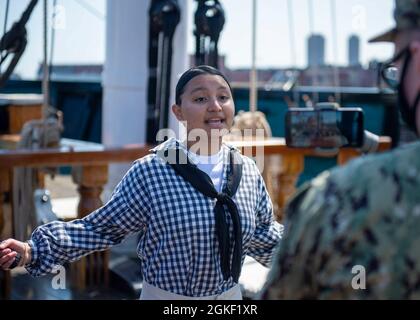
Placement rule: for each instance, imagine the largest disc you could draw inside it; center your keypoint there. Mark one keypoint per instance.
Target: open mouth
(215, 121)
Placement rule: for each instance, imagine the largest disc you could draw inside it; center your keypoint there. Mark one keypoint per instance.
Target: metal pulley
(209, 21)
(164, 16)
(14, 42)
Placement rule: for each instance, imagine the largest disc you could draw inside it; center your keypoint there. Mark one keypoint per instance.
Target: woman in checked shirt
(198, 219)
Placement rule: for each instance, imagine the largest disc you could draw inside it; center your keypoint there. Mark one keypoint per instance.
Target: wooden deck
(26, 287)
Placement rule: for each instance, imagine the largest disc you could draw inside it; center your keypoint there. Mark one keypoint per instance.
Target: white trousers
(150, 292)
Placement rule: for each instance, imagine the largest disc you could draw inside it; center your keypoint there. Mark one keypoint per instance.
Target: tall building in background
(316, 50)
(354, 51)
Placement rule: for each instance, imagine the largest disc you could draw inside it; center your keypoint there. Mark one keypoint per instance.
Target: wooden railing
(90, 164)
(281, 179)
(92, 174)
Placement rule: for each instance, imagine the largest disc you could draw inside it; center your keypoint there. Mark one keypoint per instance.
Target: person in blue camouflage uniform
(354, 232)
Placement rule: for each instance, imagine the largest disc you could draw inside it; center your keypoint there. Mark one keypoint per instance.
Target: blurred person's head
(406, 38)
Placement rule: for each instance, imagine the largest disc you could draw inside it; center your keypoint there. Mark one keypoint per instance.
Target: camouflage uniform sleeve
(302, 265)
(352, 233)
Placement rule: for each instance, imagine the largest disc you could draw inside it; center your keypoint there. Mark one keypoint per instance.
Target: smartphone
(324, 128)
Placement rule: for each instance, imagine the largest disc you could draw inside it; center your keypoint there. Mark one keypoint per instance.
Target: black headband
(192, 73)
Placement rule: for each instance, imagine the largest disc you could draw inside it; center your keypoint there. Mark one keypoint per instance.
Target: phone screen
(325, 128)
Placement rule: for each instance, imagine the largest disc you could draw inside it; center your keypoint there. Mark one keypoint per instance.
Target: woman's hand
(12, 249)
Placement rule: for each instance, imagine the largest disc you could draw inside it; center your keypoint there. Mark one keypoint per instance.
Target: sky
(80, 31)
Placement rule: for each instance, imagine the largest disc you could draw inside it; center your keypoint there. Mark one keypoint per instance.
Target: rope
(6, 15)
(311, 15)
(315, 96)
(254, 79)
(335, 54)
(52, 42)
(14, 42)
(45, 78)
(291, 31)
(291, 24)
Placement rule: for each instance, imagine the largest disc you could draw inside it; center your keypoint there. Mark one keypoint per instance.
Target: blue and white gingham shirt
(178, 246)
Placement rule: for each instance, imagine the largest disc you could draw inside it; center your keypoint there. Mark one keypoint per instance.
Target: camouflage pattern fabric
(364, 214)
